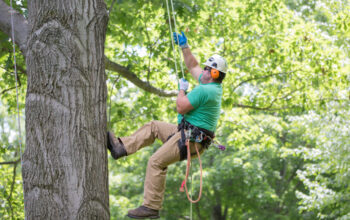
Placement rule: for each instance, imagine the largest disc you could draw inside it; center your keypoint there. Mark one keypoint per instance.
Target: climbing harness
(194, 134)
(191, 133)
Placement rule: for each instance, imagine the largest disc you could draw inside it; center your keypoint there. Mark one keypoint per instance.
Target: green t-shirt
(206, 101)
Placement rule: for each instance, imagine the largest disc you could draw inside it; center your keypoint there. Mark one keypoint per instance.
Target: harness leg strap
(182, 146)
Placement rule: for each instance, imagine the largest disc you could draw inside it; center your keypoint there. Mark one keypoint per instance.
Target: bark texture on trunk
(65, 170)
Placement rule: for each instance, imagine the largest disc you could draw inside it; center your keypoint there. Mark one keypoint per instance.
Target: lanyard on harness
(191, 133)
(199, 135)
(195, 134)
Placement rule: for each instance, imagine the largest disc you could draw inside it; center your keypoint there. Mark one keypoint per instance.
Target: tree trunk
(65, 171)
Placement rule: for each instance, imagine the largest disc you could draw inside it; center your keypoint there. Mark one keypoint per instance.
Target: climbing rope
(16, 81)
(177, 36)
(172, 39)
(184, 183)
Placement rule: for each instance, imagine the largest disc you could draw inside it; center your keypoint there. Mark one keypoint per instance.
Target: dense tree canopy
(285, 115)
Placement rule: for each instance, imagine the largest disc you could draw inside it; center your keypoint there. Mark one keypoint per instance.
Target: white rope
(172, 7)
(172, 39)
(16, 78)
(191, 192)
(182, 71)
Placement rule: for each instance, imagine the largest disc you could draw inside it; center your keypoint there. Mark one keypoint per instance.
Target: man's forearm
(179, 101)
(183, 105)
(180, 95)
(189, 59)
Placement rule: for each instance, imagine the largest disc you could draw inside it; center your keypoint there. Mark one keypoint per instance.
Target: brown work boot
(143, 212)
(115, 146)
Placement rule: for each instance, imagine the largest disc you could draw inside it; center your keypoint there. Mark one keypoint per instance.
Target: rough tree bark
(65, 170)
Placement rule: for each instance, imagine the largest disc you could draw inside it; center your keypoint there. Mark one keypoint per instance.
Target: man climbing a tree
(199, 112)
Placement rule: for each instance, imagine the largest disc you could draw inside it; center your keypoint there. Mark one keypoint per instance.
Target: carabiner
(188, 133)
(199, 138)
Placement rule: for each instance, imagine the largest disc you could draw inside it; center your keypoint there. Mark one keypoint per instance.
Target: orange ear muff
(214, 73)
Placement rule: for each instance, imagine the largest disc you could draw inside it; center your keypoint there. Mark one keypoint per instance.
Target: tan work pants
(157, 165)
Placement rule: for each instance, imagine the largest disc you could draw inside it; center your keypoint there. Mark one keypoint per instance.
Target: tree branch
(110, 99)
(262, 77)
(10, 162)
(9, 198)
(260, 108)
(111, 8)
(21, 32)
(19, 22)
(8, 89)
(132, 77)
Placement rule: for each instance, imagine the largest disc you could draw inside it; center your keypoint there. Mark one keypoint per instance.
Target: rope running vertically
(182, 71)
(172, 39)
(16, 80)
(177, 36)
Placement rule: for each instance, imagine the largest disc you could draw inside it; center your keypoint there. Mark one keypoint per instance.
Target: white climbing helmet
(217, 62)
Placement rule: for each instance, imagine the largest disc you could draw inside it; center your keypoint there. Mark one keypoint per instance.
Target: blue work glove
(180, 40)
(183, 84)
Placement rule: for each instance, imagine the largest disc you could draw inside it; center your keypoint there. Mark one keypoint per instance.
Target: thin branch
(21, 70)
(233, 53)
(273, 101)
(132, 77)
(9, 198)
(248, 58)
(294, 173)
(225, 211)
(11, 162)
(262, 77)
(150, 51)
(261, 108)
(267, 108)
(151, 47)
(283, 97)
(110, 99)
(6, 90)
(11, 88)
(111, 7)
(150, 57)
(130, 118)
(332, 99)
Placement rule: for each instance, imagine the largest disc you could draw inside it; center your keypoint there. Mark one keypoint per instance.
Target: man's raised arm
(190, 61)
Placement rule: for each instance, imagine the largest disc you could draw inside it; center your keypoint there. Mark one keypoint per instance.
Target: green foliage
(287, 85)
(326, 174)
(280, 61)
(11, 191)
(7, 70)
